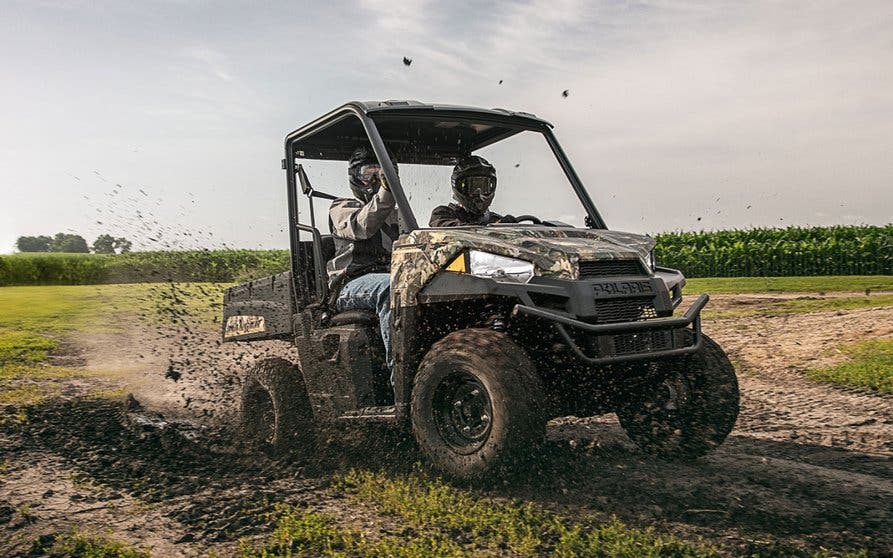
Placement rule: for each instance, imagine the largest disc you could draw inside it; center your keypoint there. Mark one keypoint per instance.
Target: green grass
(33, 318)
(428, 505)
(29, 394)
(824, 284)
(177, 303)
(34, 321)
(305, 533)
(433, 519)
(77, 545)
(869, 365)
(23, 346)
(801, 306)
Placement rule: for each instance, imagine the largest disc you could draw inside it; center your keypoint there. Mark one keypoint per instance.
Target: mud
(809, 466)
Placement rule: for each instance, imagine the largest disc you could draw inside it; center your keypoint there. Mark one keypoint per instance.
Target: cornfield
(794, 251)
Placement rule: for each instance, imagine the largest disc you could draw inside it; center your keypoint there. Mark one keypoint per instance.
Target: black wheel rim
(671, 394)
(263, 416)
(666, 402)
(463, 413)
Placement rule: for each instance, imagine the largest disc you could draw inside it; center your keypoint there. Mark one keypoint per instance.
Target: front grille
(630, 343)
(624, 310)
(646, 342)
(611, 268)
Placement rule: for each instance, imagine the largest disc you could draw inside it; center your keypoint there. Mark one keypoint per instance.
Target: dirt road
(808, 465)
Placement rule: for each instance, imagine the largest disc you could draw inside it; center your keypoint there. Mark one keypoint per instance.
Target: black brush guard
(692, 317)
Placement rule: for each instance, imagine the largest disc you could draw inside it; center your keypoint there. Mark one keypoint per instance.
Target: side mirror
(305, 182)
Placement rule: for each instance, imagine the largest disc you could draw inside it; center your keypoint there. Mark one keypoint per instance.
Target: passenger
(364, 228)
(474, 185)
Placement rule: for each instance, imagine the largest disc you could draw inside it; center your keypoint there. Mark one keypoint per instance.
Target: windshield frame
(511, 124)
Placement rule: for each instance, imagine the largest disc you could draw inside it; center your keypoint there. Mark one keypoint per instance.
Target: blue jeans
(371, 292)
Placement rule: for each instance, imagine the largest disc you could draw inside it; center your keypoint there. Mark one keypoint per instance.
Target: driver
(474, 185)
(364, 228)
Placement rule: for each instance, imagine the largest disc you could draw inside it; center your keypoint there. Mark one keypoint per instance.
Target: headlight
(484, 264)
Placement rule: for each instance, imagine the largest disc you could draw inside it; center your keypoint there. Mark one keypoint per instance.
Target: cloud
(395, 18)
(695, 99)
(538, 33)
(418, 29)
(212, 59)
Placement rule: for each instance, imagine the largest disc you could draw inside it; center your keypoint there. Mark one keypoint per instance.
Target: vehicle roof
(414, 132)
(408, 105)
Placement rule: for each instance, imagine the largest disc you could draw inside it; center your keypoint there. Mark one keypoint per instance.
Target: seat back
(327, 248)
(306, 276)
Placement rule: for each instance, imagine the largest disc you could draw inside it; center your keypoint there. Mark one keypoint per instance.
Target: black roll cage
(512, 122)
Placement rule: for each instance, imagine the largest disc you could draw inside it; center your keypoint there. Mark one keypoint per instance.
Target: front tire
(275, 411)
(476, 403)
(682, 408)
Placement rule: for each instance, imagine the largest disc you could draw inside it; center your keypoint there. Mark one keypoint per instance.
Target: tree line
(73, 243)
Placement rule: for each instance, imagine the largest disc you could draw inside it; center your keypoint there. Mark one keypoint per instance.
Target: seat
(362, 317)
(327, 248)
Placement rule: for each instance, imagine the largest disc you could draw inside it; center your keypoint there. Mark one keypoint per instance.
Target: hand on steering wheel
(531, 218)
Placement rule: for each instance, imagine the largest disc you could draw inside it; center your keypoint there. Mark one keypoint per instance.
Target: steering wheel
(531, 218)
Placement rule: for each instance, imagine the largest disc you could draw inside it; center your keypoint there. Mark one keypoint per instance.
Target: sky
(163, 121)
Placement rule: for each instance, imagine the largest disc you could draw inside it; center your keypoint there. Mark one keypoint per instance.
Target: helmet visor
(478, 186)
(368, 173)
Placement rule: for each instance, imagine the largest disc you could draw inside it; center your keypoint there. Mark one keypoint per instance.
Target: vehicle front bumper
(626, 341)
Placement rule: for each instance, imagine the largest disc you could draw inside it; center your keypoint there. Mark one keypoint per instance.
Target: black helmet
(361, 157)
(474, 183)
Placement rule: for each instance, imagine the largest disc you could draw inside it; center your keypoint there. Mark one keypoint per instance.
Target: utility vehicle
(496, 329)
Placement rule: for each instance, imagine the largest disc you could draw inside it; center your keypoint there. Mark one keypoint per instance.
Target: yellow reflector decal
(458, 265)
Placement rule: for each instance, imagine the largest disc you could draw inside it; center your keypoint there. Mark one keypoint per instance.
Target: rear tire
(682, 408)
(476, 403)
(275, 411)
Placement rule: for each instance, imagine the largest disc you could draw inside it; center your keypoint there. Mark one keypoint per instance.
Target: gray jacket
(363, 234)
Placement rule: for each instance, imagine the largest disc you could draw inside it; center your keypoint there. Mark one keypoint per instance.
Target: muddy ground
(808, 465)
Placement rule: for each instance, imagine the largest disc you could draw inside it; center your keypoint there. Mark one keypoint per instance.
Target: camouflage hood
(555, 251)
